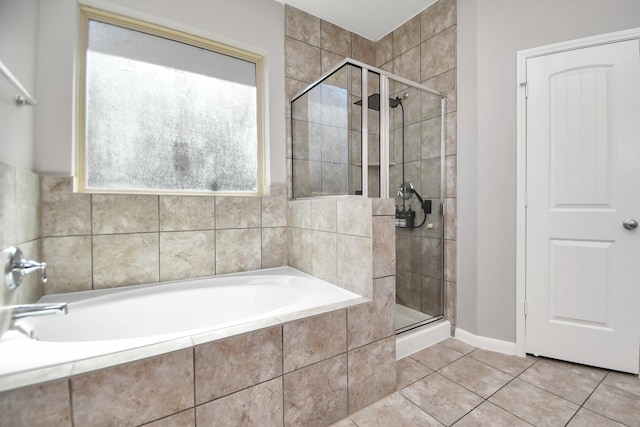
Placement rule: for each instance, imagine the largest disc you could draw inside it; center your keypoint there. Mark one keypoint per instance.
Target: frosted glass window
(162, 115)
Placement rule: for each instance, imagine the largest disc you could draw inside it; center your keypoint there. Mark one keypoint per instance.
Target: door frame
(521, 159)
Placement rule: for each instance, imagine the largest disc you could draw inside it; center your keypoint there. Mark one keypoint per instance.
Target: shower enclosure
(361, 131)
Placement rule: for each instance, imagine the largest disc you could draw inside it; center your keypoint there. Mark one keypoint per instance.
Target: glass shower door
(415, 175)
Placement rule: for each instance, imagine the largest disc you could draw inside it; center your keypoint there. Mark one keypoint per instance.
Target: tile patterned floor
(455, 384)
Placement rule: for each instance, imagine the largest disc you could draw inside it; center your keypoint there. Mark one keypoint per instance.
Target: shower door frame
(384, 124)
(384, 128)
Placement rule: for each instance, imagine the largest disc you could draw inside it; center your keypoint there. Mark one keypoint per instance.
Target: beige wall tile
(316, 396)
(68, 264)
(64, 213)
(405, 64)
(431, 138)
(125, 259)
(182, 213)
(274, 247)
(383, 207)
(452, 134)
(363, 50)
(450, 221)
(124, 213)
(302, 61)
(388, 67)
(292, 88)
(301, 214)
(27, 206)
(308, 138)
(375, 320)
(432, 296)
(302, 26)
(438, 53)
(302, 250)
(257, 406)
(183, 419)
(437, 17)
(384, 246)
(430, 180)
(372, 373)
(450, 249)
(274, 207)
(238, 212)
(328, 61)
(406, 36)
(325, 256)
(40, 405)
(408, 289)
(134, 393)
(384, 50)
(431, 257)
(354, 216)
(450, 181)
(445, 83)
(311, 340)
(450, 312)
(8, 235)
(232, 364)
(324, 215)
(431, 106)
(187, 254)
(354, 264)
(335, 39)
(238, 250)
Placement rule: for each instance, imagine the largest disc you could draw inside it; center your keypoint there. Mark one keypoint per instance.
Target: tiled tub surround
(311, 371)
(19, 220)
(115, 240)
(111, 320)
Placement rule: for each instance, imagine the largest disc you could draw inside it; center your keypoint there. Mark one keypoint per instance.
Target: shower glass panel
(360, 131)
(415, 175)
(325, 162)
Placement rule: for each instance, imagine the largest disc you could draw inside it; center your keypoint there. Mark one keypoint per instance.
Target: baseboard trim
(418, 339)
(486, 343)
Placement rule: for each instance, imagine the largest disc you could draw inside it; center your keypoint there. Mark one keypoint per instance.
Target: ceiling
(372, 19)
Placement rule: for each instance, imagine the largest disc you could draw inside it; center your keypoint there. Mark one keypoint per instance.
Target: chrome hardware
(17, 267)
(630, 224)
(43, 309)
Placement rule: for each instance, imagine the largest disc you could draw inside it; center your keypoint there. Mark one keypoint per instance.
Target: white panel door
(583, 182)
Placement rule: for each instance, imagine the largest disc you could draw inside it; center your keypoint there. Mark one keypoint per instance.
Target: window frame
(92, 14)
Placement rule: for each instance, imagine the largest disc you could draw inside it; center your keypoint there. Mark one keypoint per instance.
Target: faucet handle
(16, 267)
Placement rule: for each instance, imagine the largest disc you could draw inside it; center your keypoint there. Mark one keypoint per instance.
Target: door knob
(630, 224)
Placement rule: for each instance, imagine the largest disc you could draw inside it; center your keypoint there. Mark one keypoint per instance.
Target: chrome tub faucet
(17, 267)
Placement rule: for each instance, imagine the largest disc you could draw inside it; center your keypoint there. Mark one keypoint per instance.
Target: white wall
(18, 48)
(490, 32)
(255, 25)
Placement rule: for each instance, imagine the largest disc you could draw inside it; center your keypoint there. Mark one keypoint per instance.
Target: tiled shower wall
(312, 48)
(424, 50)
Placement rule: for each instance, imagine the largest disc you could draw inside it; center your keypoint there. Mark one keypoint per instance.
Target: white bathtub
(139, 319)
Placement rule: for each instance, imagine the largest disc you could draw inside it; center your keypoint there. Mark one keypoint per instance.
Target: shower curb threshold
(421, 338)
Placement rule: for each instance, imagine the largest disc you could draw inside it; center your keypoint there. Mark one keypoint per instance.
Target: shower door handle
(630, 224)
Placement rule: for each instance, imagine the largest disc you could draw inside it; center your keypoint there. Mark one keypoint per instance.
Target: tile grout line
(588, 397)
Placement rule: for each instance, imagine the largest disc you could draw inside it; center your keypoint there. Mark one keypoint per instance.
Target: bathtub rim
(57, 371)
